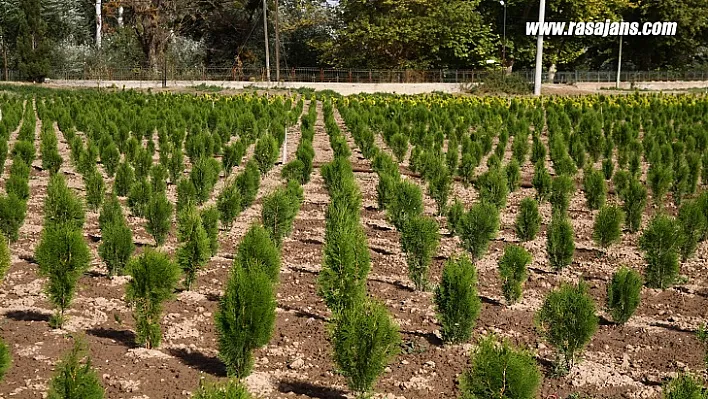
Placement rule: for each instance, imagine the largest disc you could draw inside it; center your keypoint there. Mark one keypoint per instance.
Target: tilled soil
(621, 361)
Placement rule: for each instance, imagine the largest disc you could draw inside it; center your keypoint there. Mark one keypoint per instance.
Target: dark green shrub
(154, 279)
(465, 170)
(607, 229)
(513, 271)
(559, 242)
(186, 194)
(142, 163)
(230, 158)
(51, 160)
(659, 178)
(456, 301)
(594, 188)
(386, 189)
(419, 240)
(693, 224)
(110, 158)
(12, 215)
(18, 182)
(5, 264)
(634, 199)
(266, 153)
(175, 165)
(139, 197)
(454, 216)
(63, 257)
(513, 175)
(204, 175)
(62, 208)
(365, 340)
(5, 358)
(95, 189)
(406, 203)
(116, 246)
(661, 242)
(229, 390)
(195, 250)
(478, 227)
(500, 371)
(210, 221)
(159, 218)
(528, 221)
(278, 214)
(608, 168)
(493, 187)
(124, 179)
(257, 252)
(623, 294)
(74, 377)
(399, 146)
(245, 318)
(684, 386)
(24, 150)
(561, 191)
(439, 188)
(228, 204)
(542, 182)
(248, 183)
(158, 179)
(567, 320)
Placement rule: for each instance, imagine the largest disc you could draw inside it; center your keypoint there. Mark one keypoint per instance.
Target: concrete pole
(619, 64)
(539, 49)
(99, 23)
(265, 30)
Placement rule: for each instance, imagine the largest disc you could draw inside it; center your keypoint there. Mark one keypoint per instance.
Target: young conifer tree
(74, 377)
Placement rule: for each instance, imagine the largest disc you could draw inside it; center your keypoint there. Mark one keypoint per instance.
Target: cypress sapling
(623, 294)
(419, 240)
(608, 226)
(528, 221)
(456, 301)
(513, 271)
(559, 242)
(159, 217)
(74, 377)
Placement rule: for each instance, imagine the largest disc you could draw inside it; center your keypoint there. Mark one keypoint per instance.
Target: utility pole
(277, 45)
(265, 30)
(619, 64)
(539, 49)
(99, 24)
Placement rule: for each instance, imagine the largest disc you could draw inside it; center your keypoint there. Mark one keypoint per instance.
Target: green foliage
(257, 252)
(245, 318)
(493, 187)
(159, 217)
(386, 189)
(466, 168)
(661, 242)
(623, 294)
(5, 358)
(63, 257)
(62, 207)
(607, 229)
(210, 221)
(24, 150)
(513, 271)
(18, 182)
(528, 221)
(279, 211)
(116, 246)
(229, 390)
(456, 301)
(501, 83)
(561, 190)
(478, 227)
(5, 263)
(567, 320)
(608, 168)
(399, 146)
(659, 178)
(419, 240)
(454, 216)
(439, 188)
(513, 175)
(51, 160)
(204, 175)
(266, 153)
(124, 179)
(634, 198)
(595, 188)
(248, 183)
(195, 250)
(693, 224)
(95, 189)
(228, 203)
(406, 203)
(110, 158)
(186, 194)
(684, 386)
(74, 378)
(12, 215)
(158, 178)
(559, 242)
(139, 197)
(541, 182)
(500, 371)
(365, 339)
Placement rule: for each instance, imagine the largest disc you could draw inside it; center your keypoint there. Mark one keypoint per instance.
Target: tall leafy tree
(33, 48)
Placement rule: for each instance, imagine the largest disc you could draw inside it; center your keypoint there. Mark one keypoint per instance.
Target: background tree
(33, 48)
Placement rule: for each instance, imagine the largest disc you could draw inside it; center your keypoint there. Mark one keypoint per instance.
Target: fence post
(321, 75)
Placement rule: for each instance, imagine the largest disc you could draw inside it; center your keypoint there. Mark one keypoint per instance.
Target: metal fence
(331, 75)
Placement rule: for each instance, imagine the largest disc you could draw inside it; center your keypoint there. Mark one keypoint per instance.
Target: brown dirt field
(621, 361)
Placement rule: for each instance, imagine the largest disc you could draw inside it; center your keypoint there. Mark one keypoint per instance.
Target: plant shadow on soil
(208, 364)
(311, 390)
(125, 337)
(27, 315)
